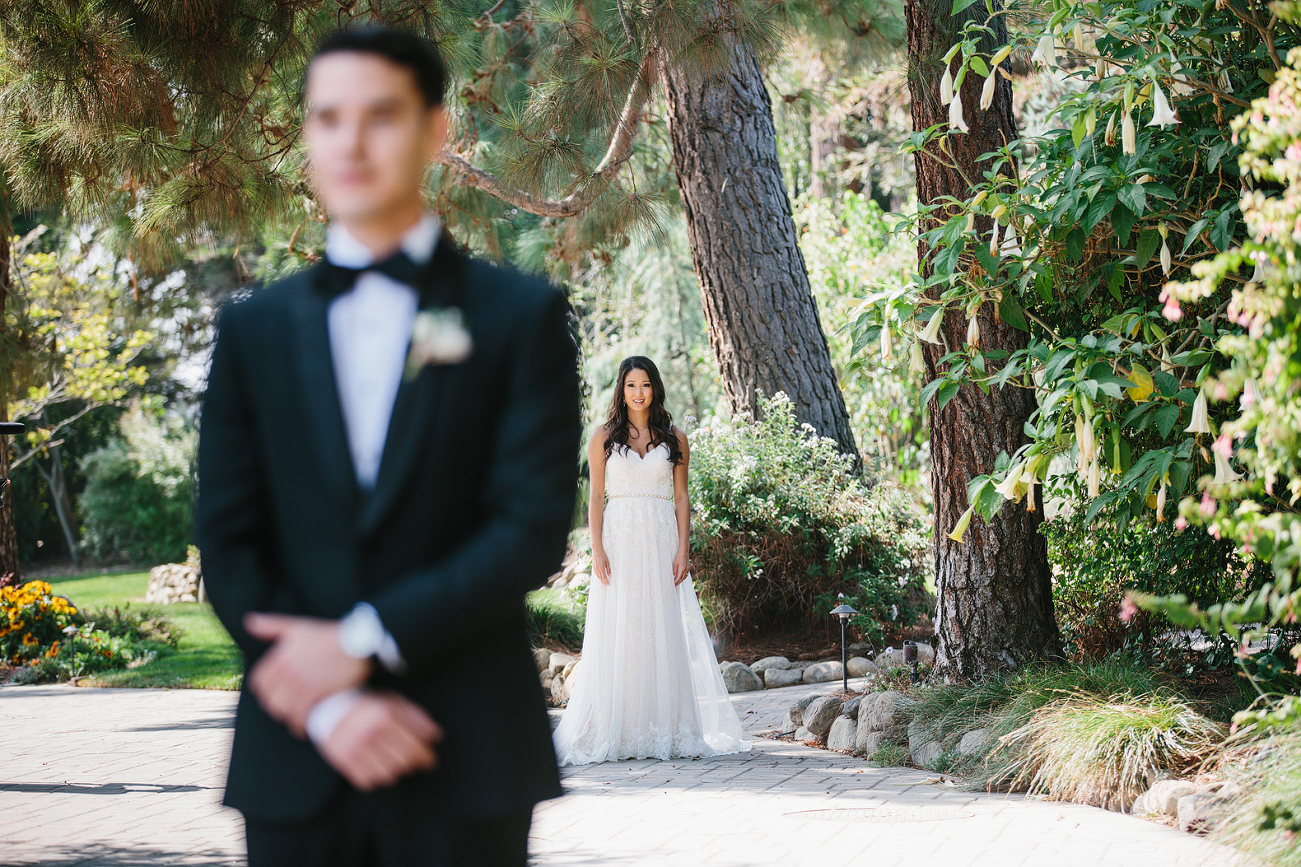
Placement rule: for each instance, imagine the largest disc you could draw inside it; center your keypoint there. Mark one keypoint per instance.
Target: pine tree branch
(618, 152)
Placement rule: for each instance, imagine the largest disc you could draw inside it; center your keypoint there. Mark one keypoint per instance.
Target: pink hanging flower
(1171, 310)
(1181, 523)
(1208, 506)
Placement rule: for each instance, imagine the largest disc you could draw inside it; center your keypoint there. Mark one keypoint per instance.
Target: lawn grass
(206, 657)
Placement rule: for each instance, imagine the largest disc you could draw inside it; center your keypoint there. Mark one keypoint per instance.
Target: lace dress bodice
(629, 474)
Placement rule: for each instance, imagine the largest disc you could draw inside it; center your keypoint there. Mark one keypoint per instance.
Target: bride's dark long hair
(661, 422)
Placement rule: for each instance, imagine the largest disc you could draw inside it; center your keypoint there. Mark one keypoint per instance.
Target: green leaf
(1101, 207)
(1148, 242)
(1011, 313)
(978, 66)
(946, 393)
(959, 5)
(1166, 419)
(1075, 241)
(1194, 232)
(1134, 198)
(1222, 230)
(1122, 220)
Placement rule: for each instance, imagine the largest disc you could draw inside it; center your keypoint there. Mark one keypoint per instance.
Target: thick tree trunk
(995, 593)
(8, 535)
(762, 319)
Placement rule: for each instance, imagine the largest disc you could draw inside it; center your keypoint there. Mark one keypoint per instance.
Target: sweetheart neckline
(641, 457)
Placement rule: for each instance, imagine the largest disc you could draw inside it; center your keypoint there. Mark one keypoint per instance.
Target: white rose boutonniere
(438, 336)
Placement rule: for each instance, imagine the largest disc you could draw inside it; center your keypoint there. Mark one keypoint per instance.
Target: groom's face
(369, 134)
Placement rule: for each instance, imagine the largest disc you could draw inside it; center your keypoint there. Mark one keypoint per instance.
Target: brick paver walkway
(132, 777)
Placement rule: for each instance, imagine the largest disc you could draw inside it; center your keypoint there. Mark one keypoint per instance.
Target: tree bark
(762, 319)
(8, 533)
(994, 589)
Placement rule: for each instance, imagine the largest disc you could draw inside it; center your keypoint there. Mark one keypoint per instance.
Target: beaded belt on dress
(656, 496)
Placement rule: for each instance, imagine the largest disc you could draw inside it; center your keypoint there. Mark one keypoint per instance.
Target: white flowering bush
(781, 527)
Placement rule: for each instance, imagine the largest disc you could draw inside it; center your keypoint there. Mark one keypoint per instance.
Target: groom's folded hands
(304, 665)
(381, 738)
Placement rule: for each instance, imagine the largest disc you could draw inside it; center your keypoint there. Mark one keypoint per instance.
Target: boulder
(890, 710)
(925, 755)
(778, 677)
(889, 658)
(859, 648)
(175, 582)
(557, 689)
(542, 659)
(803, 734)
(559, 661)
(794, 719)
(819, 715)
(841, 735)
(823, 672)
(925, 653)
(1162, 799)
(546, 679)
(867, 741)
(570, 680)
(973, 742)
(865, 705)
(569, 669)
(796, 713)
(860, 667)
(738, 677)
(850, 708)
(1197, 812)
(774, 662)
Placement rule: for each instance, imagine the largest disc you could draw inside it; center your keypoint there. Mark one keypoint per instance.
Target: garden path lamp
(844, 612)
(910, 659)
(7, 429)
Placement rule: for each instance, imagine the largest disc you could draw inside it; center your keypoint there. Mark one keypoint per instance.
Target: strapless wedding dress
(649, 685)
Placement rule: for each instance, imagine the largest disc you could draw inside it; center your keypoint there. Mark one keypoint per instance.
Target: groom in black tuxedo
(387, 463)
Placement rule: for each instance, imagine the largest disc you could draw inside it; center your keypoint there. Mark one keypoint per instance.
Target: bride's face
(637, 390)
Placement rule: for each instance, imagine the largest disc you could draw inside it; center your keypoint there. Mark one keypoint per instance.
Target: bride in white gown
(649, 685)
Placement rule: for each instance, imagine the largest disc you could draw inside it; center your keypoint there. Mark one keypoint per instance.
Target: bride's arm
(596, 503)
(682, 505)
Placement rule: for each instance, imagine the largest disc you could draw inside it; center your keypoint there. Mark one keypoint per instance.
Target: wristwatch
(361, 633)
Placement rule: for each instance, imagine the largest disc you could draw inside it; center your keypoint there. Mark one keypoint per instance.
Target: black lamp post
(844, 612)
(7, 429)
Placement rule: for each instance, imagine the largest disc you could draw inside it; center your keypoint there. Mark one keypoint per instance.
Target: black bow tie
(335, 279)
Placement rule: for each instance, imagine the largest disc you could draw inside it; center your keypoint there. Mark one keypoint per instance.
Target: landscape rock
(775, 662)
(841, 735)
(569, 669)
(865, 705)
(796, 712)
(819, 715)
(1163, 798)
(823, 672)
(889, 711)
(925, 653)
(546, 679)
(1197, 812)
(803, 734)
(570, 680)
(859, 648)
(973, 742)
(542, 659)
(778, 677)
(557, 689)
(559, 661)
(175, 582)
(889, 658)
(850, 708)
(738, 677)
(925, 755)
(860, 667)
(867, 741)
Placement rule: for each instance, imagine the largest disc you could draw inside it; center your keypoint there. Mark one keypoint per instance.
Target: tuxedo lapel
(320, 390)
(417, 397)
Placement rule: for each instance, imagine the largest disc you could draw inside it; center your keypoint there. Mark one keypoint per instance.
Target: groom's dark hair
(402, 47)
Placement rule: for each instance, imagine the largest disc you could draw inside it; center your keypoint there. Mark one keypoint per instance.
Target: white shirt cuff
(376, 639)
(326, 715)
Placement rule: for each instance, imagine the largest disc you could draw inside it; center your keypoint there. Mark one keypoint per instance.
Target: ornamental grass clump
(1106, 751)
(1265, 820)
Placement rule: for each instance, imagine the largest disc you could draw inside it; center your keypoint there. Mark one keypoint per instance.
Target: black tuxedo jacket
(470, 511)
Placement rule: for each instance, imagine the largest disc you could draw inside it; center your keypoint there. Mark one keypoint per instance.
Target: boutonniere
(438, 336)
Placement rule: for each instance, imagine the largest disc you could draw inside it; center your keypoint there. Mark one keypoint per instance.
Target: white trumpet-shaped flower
(916, 363)
(987, 92)
(887, 345)
(1079, 37)
(1201, 423)
(971, 222)
(973, 331)
(1165, 257)
(1046, 51)
(946, 86)
(1084, 439)
(1011, 487)
(956, 121)
(1160, 502)
(1251, 395)
(993, 239)
(1224, 472)
(1128, 143)
(1258, 273)
(931, 333)
(960, 529)
(1110, 137)
(1011, 245)
(1094, 477)
(1162, 114)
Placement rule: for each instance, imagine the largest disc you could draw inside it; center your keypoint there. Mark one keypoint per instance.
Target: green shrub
(555, 621)
(1097, 563)
(781, 527)
(32, 621)
(135, 624)
(138, 501)
(87, 651)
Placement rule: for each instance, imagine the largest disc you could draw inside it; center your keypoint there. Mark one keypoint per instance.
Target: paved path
(113, 778)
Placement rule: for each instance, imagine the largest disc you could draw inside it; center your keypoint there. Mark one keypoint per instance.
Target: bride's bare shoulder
(597, 442)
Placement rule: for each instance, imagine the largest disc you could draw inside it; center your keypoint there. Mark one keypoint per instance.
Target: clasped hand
(383, 737)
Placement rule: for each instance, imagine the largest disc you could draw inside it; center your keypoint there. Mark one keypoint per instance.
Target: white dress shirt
(370, 332)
